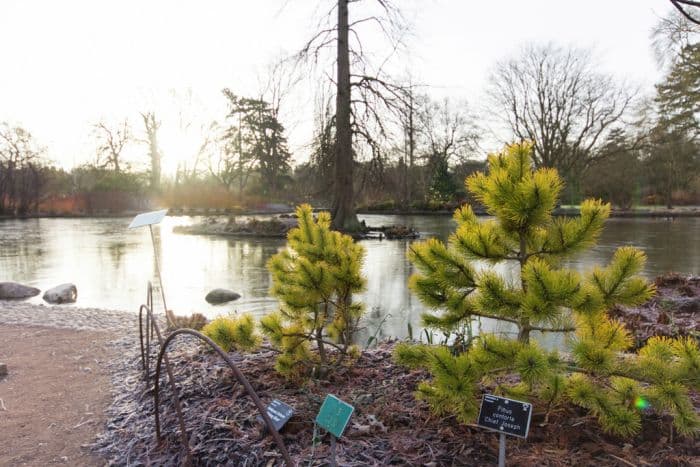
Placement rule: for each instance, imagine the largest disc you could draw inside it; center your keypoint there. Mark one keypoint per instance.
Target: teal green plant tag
(334, 415)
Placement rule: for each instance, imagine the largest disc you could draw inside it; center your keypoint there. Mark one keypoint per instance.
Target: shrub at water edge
(458, 278)
(314, 278)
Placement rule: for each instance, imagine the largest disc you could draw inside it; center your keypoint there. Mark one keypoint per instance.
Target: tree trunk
(524, 325)
(343, 212)
(152, 133)
(411, 147)
(155, 165)
(240, 161)
(321, 347)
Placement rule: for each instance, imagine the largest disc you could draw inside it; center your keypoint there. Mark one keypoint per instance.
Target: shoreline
(637, 212)
(120, 426)
(20, 313)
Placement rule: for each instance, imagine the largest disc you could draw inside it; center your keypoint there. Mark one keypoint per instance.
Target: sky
(66, 65)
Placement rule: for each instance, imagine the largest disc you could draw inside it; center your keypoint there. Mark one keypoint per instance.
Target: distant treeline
(35, 188)
(407, 150)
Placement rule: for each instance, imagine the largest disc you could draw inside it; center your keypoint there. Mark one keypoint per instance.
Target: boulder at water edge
(218, 296)
(13, 290)
(64, 293)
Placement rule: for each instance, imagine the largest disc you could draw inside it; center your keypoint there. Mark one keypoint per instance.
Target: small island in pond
(278, 227)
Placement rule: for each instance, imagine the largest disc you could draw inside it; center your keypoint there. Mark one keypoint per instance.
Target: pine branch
(560, 329)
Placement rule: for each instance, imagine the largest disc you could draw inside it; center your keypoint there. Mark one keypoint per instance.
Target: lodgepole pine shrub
(314, 278)
(459, 279)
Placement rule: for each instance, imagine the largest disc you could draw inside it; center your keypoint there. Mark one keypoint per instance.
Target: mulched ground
(674, 310)
(389, 427)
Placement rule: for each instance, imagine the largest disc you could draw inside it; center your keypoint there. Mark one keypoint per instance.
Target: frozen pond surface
(111, 265)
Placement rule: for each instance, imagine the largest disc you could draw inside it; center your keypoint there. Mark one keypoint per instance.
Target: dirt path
(54, 397)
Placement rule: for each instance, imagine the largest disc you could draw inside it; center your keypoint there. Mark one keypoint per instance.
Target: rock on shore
(64, 293)
(13, 291)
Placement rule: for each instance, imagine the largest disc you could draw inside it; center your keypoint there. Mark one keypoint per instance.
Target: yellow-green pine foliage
(233, 332)
(314, 279)
(671, 367)
(523, 230)
(458, 282)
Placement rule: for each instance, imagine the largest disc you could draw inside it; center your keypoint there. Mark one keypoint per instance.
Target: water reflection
(111, 265)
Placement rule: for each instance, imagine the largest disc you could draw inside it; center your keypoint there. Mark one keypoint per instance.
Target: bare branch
(552, 97)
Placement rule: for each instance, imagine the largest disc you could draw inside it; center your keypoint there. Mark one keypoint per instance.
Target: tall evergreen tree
(270, 147)
(671, 159)
(442, 186)
(678, 96)
(254, 141)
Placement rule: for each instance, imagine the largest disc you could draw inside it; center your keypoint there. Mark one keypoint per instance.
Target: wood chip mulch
(674, 311)
(389, 426)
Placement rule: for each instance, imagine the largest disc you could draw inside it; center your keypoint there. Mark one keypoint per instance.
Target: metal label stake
(333, 417)
(507, 417)
(150, 219)
(502, 451)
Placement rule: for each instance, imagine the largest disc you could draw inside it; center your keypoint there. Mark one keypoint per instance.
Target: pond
(111, 265)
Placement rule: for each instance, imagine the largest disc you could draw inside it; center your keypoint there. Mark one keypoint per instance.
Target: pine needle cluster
(459, 280)
(233, 332)
(314, 278)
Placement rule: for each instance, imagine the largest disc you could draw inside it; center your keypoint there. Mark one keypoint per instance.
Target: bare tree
(204, 153)
(447, 130)
(319, 173)
(205, 134)
(110, 144)
(343, 211)
(690, 9)
(553, 97)
(22, 176)
(671, 37)
(151, 126)
(363, 92)
(226, 166)
(407, 120)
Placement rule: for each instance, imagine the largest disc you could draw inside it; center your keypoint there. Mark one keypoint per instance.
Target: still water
(111, 265)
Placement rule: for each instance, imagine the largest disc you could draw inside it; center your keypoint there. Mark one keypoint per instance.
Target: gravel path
(57, 395)
(67, 317)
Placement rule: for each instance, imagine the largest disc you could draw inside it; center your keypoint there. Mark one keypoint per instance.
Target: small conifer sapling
(314, 278)
(459, 279)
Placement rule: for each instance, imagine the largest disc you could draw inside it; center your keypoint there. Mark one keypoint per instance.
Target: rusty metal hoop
(237, 373)
(145, 349)
(151, 326)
